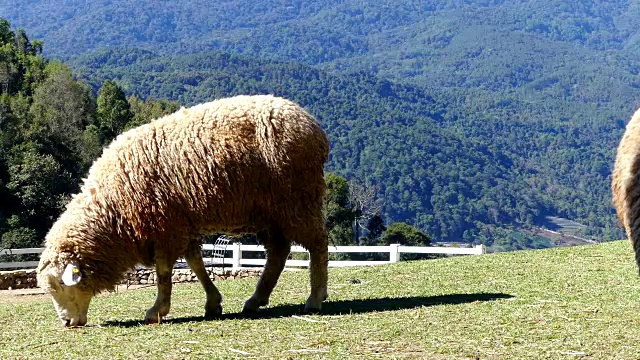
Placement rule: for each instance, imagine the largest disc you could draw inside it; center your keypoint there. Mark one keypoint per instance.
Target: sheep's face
(70, 299)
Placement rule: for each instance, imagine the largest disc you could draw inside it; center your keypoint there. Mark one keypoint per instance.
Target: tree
(147, 110)
(40, 185)
(92, 145)
(114, 111)
(17, 236)
(376, 228)
(6, 35)
(338, 215)
(21, 63)
(405, 234)
(363, 202)
(61, 109)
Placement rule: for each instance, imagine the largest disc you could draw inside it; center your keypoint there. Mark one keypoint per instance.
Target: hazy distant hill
(457, 43)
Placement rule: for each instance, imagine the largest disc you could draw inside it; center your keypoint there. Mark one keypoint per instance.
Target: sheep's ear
(71, 275)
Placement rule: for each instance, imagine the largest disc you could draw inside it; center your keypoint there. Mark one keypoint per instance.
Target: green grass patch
(573, 303)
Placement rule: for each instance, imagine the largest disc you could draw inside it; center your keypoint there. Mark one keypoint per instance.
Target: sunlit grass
(562, 303)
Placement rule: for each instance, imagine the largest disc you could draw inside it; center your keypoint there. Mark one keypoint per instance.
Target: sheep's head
(64, 282)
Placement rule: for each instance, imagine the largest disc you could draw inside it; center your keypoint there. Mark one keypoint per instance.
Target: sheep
(239, 165)
(625, 183)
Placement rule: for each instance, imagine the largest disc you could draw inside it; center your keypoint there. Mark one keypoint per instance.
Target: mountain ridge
(378, 130)
(543, 87)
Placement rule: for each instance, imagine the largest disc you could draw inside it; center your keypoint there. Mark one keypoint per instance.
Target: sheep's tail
(626, 183)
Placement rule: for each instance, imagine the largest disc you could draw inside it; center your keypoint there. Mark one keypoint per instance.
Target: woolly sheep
(247, 164)
(626, 183)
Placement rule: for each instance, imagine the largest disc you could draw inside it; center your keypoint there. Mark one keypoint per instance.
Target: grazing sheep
(247, 164)
(626, 183)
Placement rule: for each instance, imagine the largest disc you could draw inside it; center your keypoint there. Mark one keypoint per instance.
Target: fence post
(481, 249)
(237, 255)
(394, 253)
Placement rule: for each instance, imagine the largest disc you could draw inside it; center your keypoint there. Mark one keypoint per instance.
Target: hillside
(381, 133)
(487, 44)
(499, 306)
(575, 51)
(315, 32)
(447, 167)
(532, 97)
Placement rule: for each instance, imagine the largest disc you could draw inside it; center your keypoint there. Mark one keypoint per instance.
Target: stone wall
(19, 279)
(148, 276)
(26, 279)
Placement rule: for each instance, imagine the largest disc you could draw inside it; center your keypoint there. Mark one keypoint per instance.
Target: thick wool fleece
(238, 165)
(626, 183)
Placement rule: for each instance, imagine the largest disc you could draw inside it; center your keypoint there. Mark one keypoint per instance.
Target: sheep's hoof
(313, 305)
(213, 312)
(149, 320)
(253, 305)
(154, 316)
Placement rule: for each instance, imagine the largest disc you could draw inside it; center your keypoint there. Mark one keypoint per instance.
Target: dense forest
(456, 172)
(475, 121)
(52, 128)
(497, 44)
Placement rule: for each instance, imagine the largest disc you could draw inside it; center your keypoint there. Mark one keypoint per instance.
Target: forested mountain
(572, 50)
(447, 167)
(501, 42)
(52, 127)
(374, 25)
(473, 118)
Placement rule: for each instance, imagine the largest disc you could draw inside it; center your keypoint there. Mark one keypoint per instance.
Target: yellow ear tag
(71, 275)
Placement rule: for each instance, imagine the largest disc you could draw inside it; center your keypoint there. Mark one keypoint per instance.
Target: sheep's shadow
(340, 307)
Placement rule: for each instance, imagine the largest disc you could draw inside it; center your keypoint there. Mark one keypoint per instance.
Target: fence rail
(20, 264)
(236, 249)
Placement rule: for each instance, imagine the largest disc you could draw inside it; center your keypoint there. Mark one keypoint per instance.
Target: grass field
(569, 303)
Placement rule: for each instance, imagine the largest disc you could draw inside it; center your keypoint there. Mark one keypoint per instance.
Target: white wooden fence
(236, 261)
(20, 264)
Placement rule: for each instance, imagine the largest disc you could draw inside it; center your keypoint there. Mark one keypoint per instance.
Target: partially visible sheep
(247, 164)
(626, 183)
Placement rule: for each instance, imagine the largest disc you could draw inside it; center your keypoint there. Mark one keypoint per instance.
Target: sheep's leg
(162, 305)
(319, 261)
(277, 252)
(213, 306)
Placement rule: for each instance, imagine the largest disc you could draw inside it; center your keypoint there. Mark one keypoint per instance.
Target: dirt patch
(35, 294)
(560, 239)
(22, 295)
(142, 278)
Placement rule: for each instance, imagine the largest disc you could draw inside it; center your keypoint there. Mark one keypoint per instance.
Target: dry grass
(559, 304)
